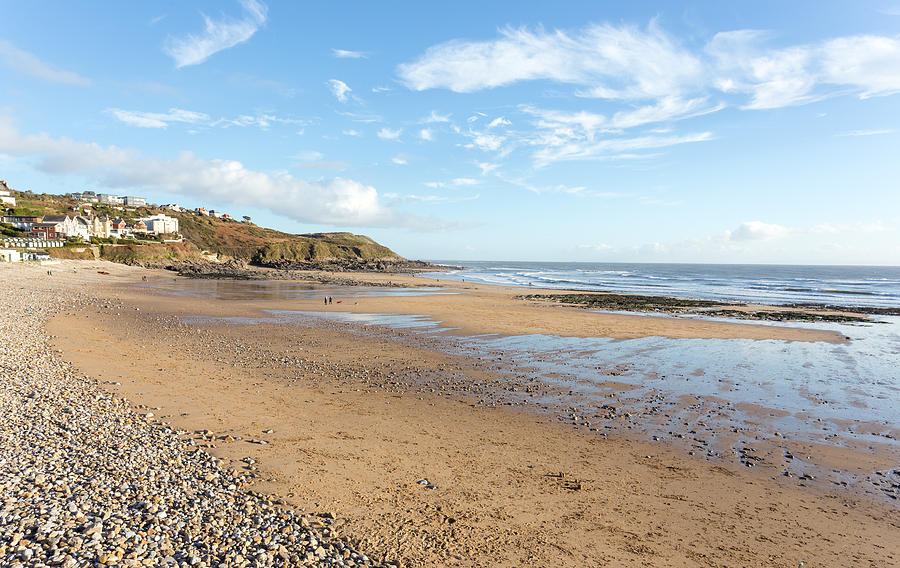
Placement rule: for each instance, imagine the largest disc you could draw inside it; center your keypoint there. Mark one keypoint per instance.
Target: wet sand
(357, 421)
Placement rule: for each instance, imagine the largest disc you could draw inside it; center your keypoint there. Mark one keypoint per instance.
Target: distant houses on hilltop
(109, 199)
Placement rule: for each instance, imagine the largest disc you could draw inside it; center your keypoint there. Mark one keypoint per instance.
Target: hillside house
(47, 231)
(20, 221)
(202, 211)
(110, 199)
(101, 228)
(131, 201)
(87, 196)
(79, 226)
(138, 227)
(118, 228)
(160, 224)
(171, 207)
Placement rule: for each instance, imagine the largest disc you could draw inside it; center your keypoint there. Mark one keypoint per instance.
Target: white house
(171, 207)
(110, 199)
(161, 224)
(6, 197)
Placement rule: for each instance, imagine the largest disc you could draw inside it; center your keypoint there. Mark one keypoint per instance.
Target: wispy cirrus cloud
(455, 182)
(260, 120)
(611, 148)
(435, 117)
(604, 60)
(630, 63)
(217, 35)
(339, 89)
(158, 119)
(144, 119)
(347, 54)
(873, 132)
(29, 64)
(315, 160)
(389, 133)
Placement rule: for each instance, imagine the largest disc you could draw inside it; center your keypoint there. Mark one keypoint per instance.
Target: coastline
(359, 420)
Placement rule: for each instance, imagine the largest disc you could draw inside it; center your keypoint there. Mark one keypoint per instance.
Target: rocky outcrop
(240, 270)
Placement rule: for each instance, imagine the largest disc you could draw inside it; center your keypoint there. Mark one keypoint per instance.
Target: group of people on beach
(329, 300)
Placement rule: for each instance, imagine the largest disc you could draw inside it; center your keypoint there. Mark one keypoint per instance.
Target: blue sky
(651, 131)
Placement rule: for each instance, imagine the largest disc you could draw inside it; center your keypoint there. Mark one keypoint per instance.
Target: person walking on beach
(326, 300)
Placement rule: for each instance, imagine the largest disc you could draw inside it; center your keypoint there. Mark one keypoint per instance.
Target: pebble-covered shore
(85, 480)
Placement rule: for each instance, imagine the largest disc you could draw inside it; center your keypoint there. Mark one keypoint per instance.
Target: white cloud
(347, 54)
(340, 89)
(426, 134)
(623, 62)
(351, 132)
(337, 201)
(309, 155)
(867, 132)
(380, 89)
(628, 63)
(263, 121)
(158, 119)
(29, 64)
(432, 198)
(499, 121)
(600, 247)
(487, 167)
(217, 35)
(757, 230)
(866, 65)
(435, 117)
(389, 134)
(488, 142)
(400, 159)
(143, 119)
(563, 135)
(456, 182)
(611, 147)
(364, 118)
(666, 109)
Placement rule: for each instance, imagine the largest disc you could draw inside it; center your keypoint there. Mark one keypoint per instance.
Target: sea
(860, 286)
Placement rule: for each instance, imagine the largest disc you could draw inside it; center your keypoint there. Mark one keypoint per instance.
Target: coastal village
(90, 219)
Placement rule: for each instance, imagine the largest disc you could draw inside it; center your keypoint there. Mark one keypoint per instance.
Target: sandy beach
(430, 458)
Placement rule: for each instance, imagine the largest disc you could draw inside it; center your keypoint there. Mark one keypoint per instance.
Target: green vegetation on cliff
(267, 246)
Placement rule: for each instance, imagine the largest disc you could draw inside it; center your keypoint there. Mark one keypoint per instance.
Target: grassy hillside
(268, 246)
(227, 238)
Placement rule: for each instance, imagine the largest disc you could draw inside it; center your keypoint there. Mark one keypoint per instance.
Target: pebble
(88, 481)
